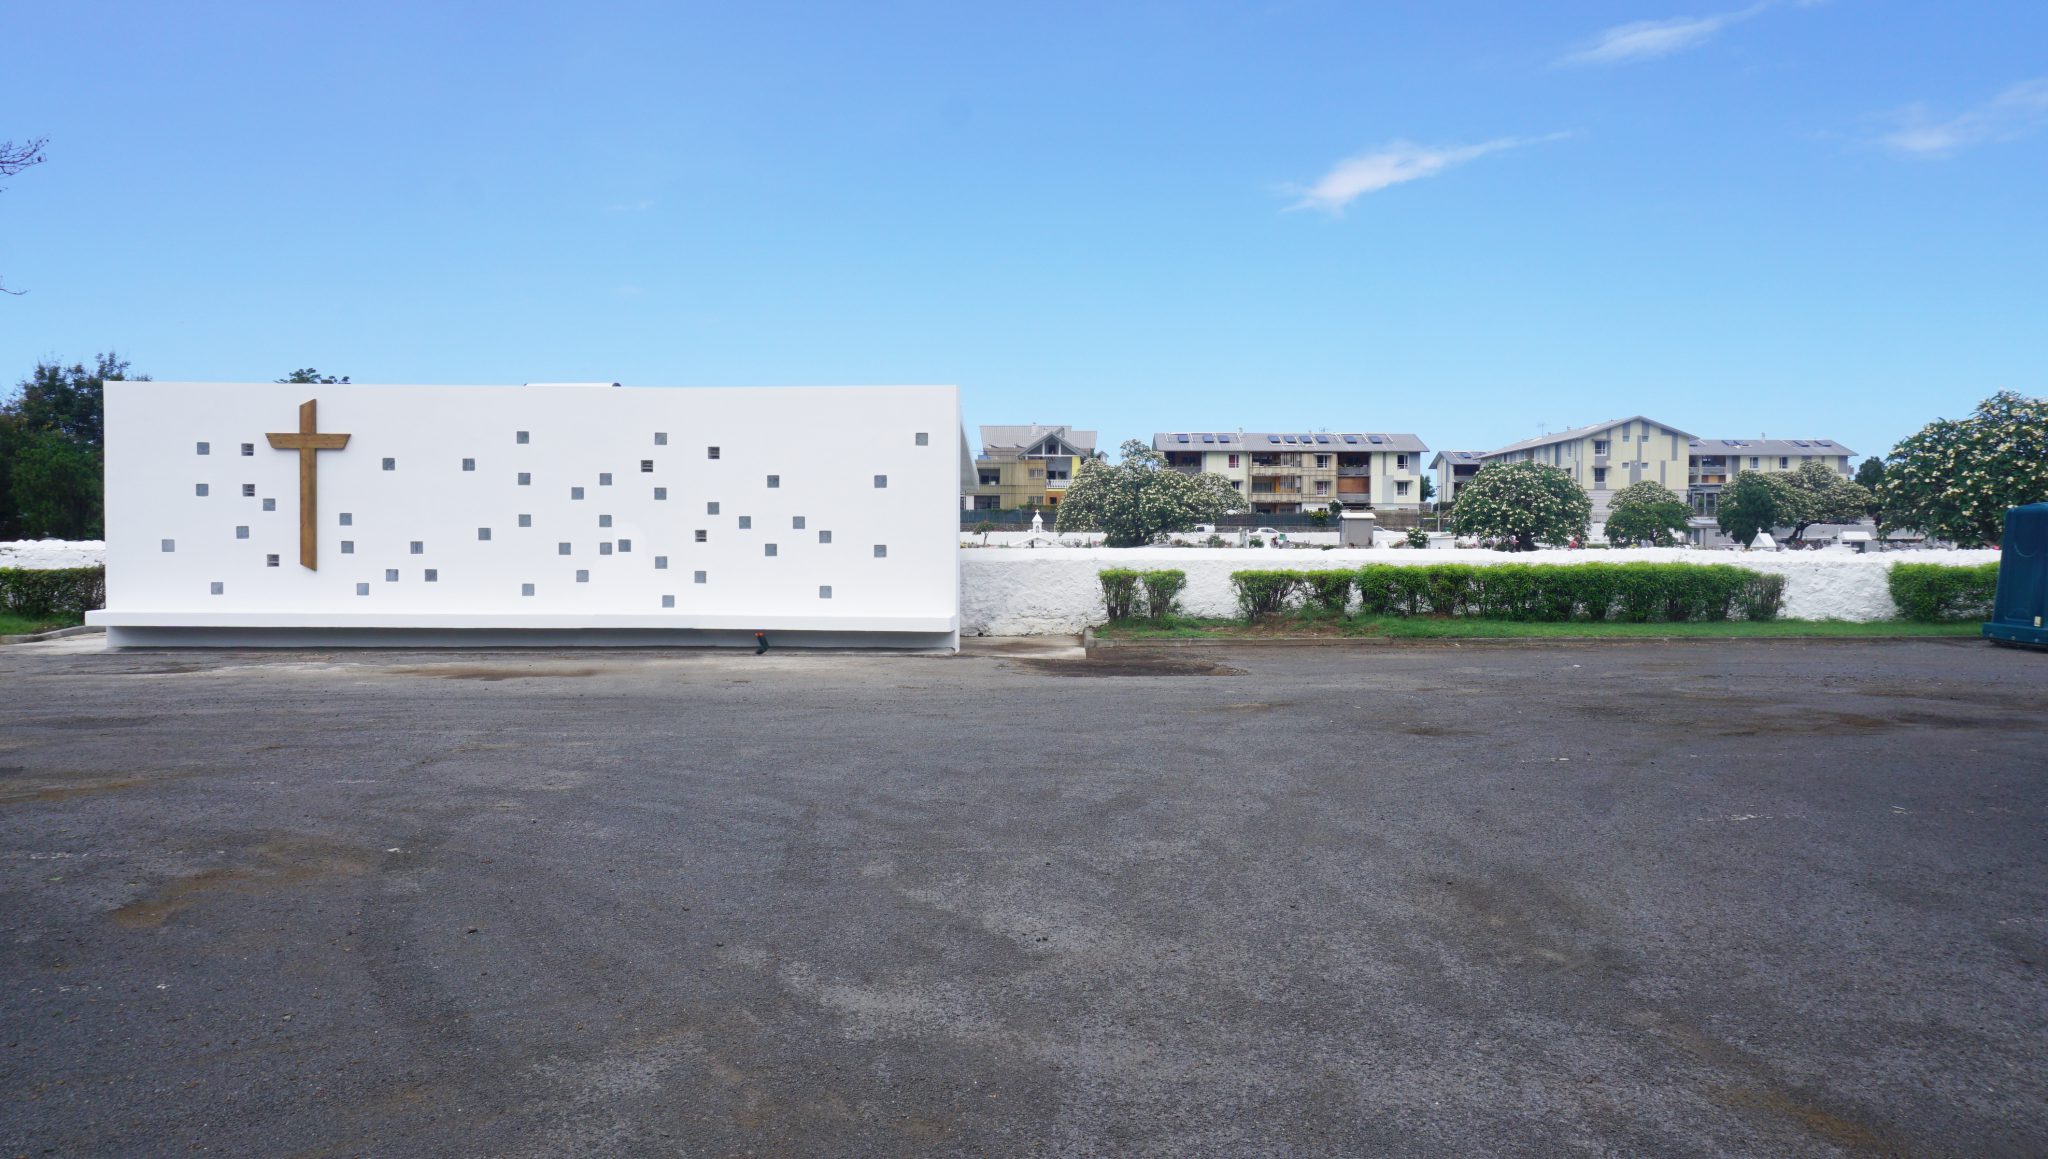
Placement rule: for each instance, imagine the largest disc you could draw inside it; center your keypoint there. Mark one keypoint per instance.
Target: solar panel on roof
(1730, 443)
(1322, 438)
(1375, 438)
(1822, 443)
(1180, 438)
(1272, 438)
(1208, 438)
(1350, 438)
(1287, 438)
(1798, 442)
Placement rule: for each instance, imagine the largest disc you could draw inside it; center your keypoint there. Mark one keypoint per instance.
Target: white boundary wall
(501, 510)
(1028, 593)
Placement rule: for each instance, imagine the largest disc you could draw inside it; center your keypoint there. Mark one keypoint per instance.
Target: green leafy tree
(1645, 512)
(982, 529)
(308, 376)
(1955, 479)
(1523, 504)
(1870, 477)
(1140, 498)
(1817, 493)
(51, 434)
(1750, 504)
(1428, 489)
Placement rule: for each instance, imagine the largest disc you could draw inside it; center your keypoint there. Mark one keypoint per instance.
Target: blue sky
(1462, 220)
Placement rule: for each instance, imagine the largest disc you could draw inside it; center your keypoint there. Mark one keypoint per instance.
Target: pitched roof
(1582, 432)
(1016, 440)
(1263, 441)
(1769, 447)
(1456, 457)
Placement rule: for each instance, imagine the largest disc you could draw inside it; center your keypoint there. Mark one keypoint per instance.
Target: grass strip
(1472, 627)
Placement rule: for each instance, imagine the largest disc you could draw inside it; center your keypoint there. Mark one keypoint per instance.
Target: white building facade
(430, 515)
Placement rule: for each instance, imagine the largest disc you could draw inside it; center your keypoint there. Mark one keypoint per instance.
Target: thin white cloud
(1650, 39)
(2018, 111)
(1393, 164)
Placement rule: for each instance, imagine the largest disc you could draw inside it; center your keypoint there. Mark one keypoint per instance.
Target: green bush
(1163, 587)
(1417, 537)
(1376, 589)
(34, 593)
(1635, 592)
(1447, 587)
(1265, 593)
(1329, 590)
(1763, 596)
(1119, 592)
(1933, 592)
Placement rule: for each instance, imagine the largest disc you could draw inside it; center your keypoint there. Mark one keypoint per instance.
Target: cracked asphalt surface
(1672, 899)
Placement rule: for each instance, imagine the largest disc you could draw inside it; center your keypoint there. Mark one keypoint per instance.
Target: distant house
(1027, 466)
(1453, 469)
(1290, 473)
(1605, 457)
(1714, 463)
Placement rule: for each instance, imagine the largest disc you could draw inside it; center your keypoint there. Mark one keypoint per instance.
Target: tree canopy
(306, 375)
(1817, 493)
(1750, 504)
(1523, 504)
(1955, 479)
(51, 435)
(1645, 512)
(1140, 498)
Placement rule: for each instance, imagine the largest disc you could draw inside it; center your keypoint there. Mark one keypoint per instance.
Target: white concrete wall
(1022, 593)
(632, 555)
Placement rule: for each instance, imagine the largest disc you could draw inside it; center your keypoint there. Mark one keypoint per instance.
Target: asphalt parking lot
(1670, 899)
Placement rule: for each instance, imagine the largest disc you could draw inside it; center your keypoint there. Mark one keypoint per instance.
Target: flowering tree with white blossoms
(1141, 498)
(1525, 504)
(1955, 479)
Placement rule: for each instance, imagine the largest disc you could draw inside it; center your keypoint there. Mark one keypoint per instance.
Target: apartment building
(1283, 473)
(1714, 462)
(1027, 466)
(1606, 457)
(1453, 469)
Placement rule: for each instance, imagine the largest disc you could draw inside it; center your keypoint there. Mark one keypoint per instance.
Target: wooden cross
(307, 443)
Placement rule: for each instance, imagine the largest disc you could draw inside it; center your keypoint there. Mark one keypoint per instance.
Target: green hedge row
(61, 591)
(1934, 592)
(1629, 592)
(1122, 588)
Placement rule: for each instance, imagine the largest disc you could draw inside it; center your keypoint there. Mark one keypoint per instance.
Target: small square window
(604, 479)
(348, 519)
(604, 548)
(526, 478)
(668, 601)
(660, 493)
(391, 464)
(711, 508)
(824, 591)
(249, 448)
(646, 466)
(775, 480)
(881, 551)
(881, 480)
(205, 449)
(702, 535)
(519, 437)
(269, 561)
(699, 577)
(526, 521)
(348, 547)
(270, 504)
(824, 537)
(419, 547)
(199, 489)
(746, 522)
(660, 563)
(241, 533)
(711, 452)
(604, 521)
(483, 533)
(170, 545)
(248, 490)
(561, 549)
(362, 589)
(924, 438)
(525, 589)
(433, 575)
(469, 464)
(661, 438)
(625, 545)
(797, 521)
(575, 492)
(218, 588)
(770, 549)
(390, 575)
(582, 575)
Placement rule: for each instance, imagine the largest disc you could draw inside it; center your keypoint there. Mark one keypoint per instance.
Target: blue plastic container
(2022, 602)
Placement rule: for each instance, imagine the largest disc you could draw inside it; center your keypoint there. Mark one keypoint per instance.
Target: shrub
(1417, 537)
(1411, 590)
(1162, 591)
(1505, 591)
(1763, 596)
(1448, 587)
(1376, 589)
(33, 593)
(1119, 592)
(1329, 590)
(1637, 592)
(1934, 592)
(1265, 593)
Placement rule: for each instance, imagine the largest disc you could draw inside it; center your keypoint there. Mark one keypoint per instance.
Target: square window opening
(660, 493)
(520, 436)
(218, 588)
(700, 577)
(269, 561)
(668, 601)
(881, 551)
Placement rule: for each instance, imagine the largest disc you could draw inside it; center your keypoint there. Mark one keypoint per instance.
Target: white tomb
(493, 515)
